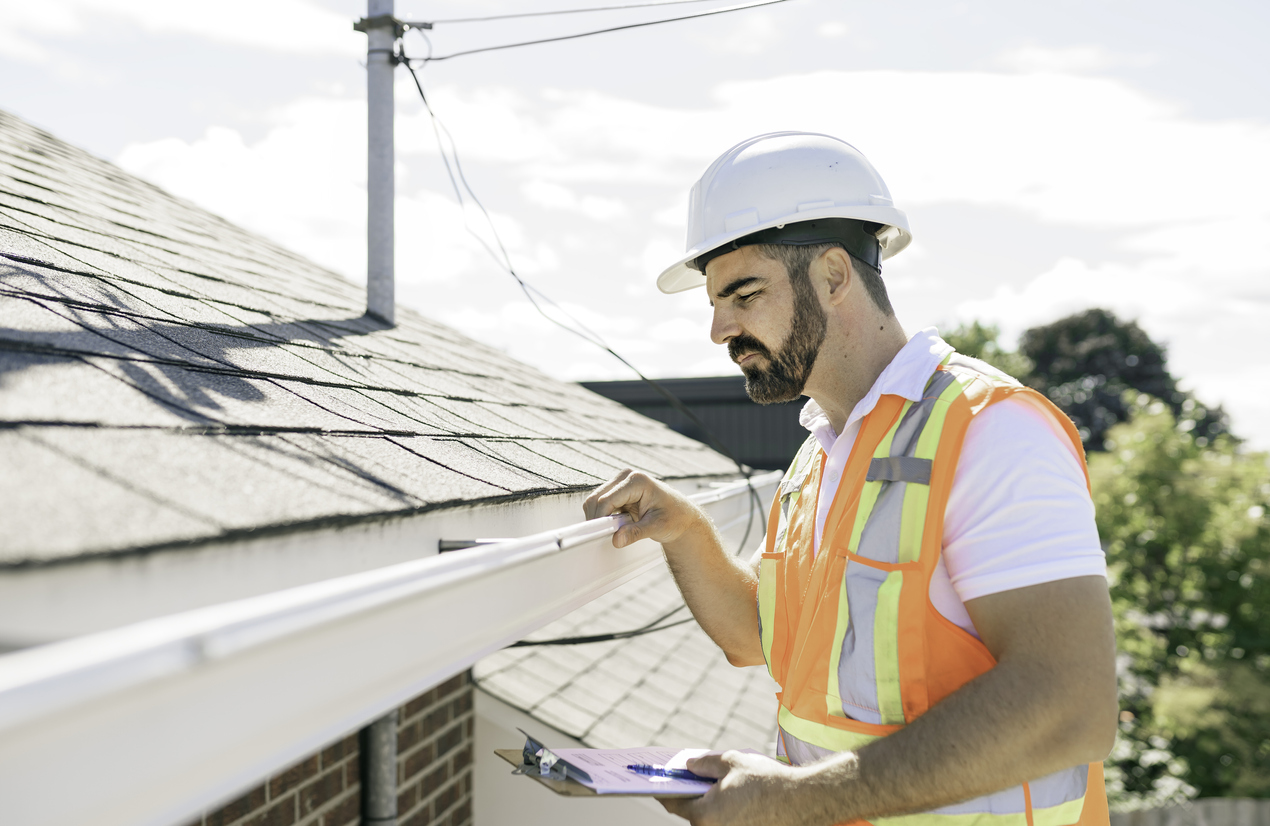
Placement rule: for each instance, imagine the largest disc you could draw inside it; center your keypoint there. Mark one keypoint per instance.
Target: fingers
(678, 806)
(656, 511)
(630, 533)
(714, 765)
(599, 502)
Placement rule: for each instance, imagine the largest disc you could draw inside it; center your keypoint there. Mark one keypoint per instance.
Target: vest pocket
(864, 668)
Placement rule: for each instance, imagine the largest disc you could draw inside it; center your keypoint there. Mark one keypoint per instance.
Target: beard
(788, 369)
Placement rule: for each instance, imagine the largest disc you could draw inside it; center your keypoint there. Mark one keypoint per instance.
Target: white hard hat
(780, 179)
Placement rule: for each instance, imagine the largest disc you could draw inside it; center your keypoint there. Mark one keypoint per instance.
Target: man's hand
(752, 790)
(721, 590)
(657, 512)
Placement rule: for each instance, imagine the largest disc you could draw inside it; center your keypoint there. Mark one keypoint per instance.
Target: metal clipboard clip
(535, 758)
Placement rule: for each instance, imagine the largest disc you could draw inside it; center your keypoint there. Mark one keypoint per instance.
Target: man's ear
(835, 268)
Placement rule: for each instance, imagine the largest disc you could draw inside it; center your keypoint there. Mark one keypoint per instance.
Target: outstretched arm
(721, 590)
(1050, 703)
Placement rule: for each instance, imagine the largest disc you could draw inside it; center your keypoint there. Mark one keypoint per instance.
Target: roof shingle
(168, 378)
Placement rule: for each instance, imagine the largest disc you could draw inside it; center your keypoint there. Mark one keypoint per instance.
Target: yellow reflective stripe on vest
(1063, 814)
(917, 497)
(767, 606)
(969, 819)
(864, 682)
(832, 697)
(823, 737)
(864, 673)
(886, 650)
(869, 493)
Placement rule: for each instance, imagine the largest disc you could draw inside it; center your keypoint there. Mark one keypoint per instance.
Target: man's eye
(746, 296)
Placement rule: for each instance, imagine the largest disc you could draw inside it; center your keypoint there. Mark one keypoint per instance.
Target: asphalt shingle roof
(167, 378)
(672, 687)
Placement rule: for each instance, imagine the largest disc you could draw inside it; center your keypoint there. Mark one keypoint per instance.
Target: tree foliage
(1183, 522)
(1182, 512)
(1085, 363)
(980, 341)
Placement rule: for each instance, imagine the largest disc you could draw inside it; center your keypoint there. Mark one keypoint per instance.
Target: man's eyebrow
(743, 281)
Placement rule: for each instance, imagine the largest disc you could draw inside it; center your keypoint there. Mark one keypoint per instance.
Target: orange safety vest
(851, 635)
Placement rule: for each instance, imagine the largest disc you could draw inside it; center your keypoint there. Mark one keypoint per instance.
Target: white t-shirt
(1018, 514)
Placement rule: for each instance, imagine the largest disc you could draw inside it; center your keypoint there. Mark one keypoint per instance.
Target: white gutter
(151, 723)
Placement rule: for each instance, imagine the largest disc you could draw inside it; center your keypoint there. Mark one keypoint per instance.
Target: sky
(1050, 157)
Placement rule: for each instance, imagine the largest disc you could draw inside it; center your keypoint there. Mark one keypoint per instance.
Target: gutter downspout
(378, 745)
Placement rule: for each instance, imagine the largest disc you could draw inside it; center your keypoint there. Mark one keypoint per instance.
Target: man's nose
(723, 326)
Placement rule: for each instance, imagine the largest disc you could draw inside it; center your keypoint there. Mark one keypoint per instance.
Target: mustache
(745, 343)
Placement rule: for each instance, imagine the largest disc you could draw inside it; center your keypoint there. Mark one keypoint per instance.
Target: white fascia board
(44, 604)
(148, 724)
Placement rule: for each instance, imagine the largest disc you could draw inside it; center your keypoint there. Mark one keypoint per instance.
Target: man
(931, 596)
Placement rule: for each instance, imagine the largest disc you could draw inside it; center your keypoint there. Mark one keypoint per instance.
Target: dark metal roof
(168, 378)
(761, 436)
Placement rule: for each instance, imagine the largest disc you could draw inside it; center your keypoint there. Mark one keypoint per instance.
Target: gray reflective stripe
(857, 678)
(1059, 787)
(1009, 801)
(1051, 790)
(899, 469)
(911, 426)
(880, 539)
(799, 752)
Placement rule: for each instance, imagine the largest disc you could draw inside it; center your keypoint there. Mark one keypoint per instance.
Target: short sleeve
(1019, 512)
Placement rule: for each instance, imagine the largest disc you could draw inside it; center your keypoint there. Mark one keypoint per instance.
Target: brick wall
(435, 732)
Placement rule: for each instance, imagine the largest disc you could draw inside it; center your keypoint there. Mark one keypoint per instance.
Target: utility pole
(382, 30)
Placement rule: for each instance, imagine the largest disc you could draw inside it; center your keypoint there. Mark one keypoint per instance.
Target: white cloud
(1180, 198)
(832, 29)
(555, 196)
(288, 26)
(1070, 59)
(302, 185)
(751, 34)
(19, 21)
(1212, 329)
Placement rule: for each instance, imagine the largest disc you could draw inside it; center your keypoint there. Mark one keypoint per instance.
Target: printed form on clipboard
(585, 772)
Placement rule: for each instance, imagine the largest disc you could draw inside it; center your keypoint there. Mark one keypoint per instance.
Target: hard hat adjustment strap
(855, 236)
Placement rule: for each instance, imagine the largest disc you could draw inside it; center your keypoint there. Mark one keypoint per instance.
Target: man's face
(755, 305)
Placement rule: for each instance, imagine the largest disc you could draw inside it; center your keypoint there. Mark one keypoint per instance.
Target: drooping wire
(565, 11)
(725, 10)
(647, 628)
(580, 330)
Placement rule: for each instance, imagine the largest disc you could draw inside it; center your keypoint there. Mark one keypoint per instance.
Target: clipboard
(559, 775)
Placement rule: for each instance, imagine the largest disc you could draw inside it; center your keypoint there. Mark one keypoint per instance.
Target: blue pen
(659, 771)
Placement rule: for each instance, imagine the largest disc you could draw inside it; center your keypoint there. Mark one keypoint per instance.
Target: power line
(558, 38)
(647, 628)
(580, 330)
(566, 11)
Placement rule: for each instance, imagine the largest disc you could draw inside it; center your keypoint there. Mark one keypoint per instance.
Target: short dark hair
(797, 261)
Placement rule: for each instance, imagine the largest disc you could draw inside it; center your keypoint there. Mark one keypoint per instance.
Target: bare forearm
(996, 732)
(1049, 704)
(721, 591)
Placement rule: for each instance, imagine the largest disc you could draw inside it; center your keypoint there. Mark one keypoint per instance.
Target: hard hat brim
(679, 277)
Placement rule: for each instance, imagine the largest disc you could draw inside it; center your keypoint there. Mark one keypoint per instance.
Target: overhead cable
(558, 38)
(580, 330)
(566, 11)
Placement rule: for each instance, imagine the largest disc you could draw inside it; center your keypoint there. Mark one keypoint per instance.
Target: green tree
(1182, 514)
(1086, 362)
(1183, 521)
(980, 341)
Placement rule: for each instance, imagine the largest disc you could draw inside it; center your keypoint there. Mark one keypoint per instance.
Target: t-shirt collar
(905, 376)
